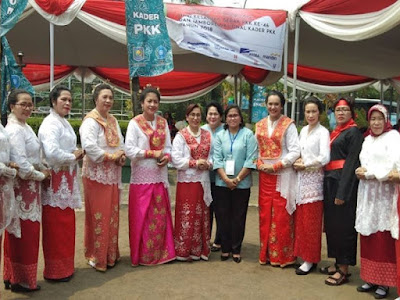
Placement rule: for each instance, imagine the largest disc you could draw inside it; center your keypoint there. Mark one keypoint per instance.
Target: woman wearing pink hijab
(376, 217)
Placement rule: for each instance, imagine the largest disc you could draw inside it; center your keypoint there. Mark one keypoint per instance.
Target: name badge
(230, 167)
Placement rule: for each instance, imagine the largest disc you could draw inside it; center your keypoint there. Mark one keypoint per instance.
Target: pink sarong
(150, 225)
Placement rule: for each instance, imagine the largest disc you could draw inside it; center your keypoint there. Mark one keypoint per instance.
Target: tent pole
(235, 89)
(285, 63)
(295, 59)
(83, 92)
(51, 56)
(381, 92)
(240, 92)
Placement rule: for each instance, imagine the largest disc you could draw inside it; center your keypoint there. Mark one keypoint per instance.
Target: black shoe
(362, 289)
(301, 272)
(17, 288)
(237, 259)
(215, 248)
(381, 296)
(224, 258)
(65, 279)
(7, 284)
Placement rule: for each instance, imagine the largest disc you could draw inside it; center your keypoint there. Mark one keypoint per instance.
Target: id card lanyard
(230, 162)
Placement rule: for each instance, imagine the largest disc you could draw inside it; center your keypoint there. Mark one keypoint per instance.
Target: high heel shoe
(301, 272)
(7, 284)
(17, 288)
(237, 259)
(224, 257)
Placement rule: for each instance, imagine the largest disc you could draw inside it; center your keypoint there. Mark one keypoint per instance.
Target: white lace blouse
(58, 142)
(5, 152)
(377, 198)
(315, 153)
(25, 151)
(180, 159)
(314, 146)
(145, 170)
(7, 198)
(94, 143)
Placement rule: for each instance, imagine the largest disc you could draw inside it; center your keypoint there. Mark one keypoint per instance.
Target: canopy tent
(99, 24)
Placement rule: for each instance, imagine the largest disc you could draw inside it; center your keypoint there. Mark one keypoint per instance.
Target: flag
(149, 47)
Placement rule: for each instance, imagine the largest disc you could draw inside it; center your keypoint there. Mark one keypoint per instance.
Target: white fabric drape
(317, 88)
(354, 27)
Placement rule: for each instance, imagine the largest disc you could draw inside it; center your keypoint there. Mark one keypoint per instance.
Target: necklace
(194, 135)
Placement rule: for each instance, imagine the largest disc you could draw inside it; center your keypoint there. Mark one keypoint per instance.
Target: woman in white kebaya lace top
(103, 143)
(191, 157)
(377, 218)
(148, 146)
(315, 153)
(61, 194)
(8, 171)
(21, 254)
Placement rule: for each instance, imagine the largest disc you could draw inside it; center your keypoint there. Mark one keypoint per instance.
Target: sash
(271, 147)
(198, 151)
(340, 128)
(110, 127)
(156, 137)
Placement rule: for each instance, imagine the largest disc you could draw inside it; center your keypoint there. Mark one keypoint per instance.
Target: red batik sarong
(58, 228)
(192, 222)
(21, 255)
(378, 259)
(308, 229)
(101, 223)
(276, 225)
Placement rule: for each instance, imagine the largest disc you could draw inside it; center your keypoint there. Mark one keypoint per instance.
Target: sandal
(325, 270)
(384, 292)
(366, 287)
(337, 281)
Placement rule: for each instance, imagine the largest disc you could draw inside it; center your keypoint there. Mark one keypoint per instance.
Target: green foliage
(323, 119)
(361, 118)
(36, 122)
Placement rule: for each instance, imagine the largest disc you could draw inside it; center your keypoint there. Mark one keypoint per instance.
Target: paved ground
(199, 280)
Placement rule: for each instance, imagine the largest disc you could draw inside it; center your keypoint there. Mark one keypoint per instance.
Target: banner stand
(135, 87)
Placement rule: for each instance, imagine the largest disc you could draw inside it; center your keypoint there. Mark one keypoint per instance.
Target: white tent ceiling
(80, 45)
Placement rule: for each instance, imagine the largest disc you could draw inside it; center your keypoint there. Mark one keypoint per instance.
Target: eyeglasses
(193, 115)
(25, 105)
(232, 116)
(342, 109)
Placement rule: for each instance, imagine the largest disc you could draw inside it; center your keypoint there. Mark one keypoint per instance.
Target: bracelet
(149, 154)
(238, 178)
(277, 166)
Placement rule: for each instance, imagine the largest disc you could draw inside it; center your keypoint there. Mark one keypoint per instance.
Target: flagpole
(3, 113)
(51, 56)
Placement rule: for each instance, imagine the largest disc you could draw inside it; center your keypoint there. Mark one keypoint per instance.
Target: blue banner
(149, 47)
(259, 109)
(11, 75)
(11, 10)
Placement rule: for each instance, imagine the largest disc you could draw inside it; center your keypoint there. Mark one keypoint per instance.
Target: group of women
(352, 183)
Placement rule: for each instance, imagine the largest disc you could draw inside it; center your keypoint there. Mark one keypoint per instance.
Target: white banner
(244, 36)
